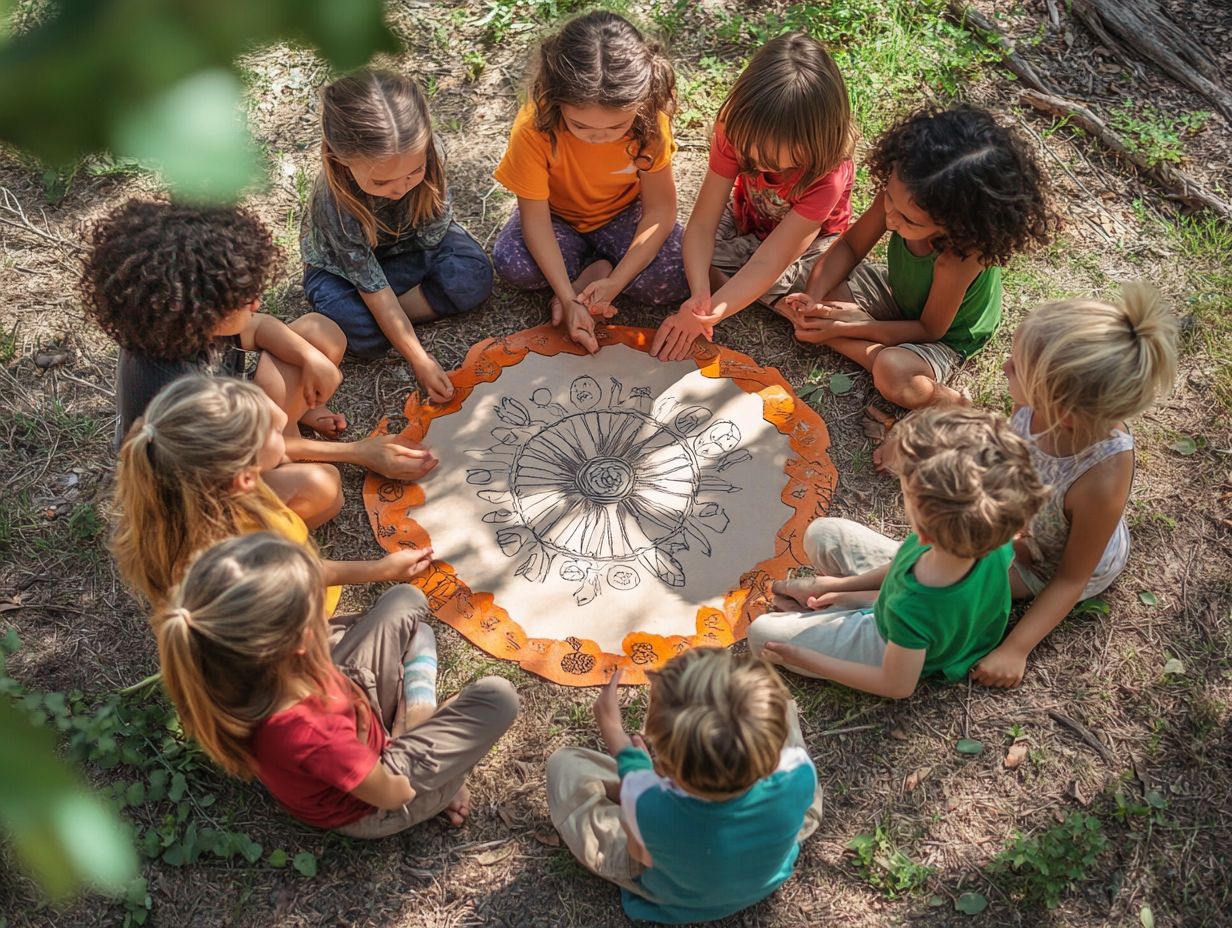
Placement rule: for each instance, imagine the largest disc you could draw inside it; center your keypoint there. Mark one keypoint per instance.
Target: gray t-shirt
(333, 239)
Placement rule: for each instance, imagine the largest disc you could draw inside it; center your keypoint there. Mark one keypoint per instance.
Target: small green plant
(1041, 868)
(1151, 809)
(884, 866)
(475, 64)
(1157, 137)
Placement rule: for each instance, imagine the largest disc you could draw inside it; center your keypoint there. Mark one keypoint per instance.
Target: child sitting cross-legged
(880, 615)
(713, 823)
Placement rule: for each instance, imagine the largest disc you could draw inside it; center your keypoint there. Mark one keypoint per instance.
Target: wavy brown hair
(967, 477)
(247, 622)
(976, 179)
(717, 721)
(790, 95)
(174, 489)
(372, 115)
(601, 59)
(159, 277)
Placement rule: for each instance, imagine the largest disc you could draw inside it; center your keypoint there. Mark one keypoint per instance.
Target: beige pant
(584, 802)
(836, 548)
(870, 287)
(437, 754)
(732, 251)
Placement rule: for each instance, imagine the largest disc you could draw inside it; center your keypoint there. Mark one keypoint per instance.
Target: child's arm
(390, 316)
(678, 332)
(658, 218)
(541, 242)
(384, 789)
(399, 566)
(1098, 500)
(841, 258)
(896, 677)
(320, 376)
(951, 278)
(789, 240)
(607, 717)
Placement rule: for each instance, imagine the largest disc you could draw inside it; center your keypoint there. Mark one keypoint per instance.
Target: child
(1078, 370)
(960, 196)
(782, 147)
(590, 160)
(179, 289)
(207, 462)
(714, 823)
(882, 615)
(381, 250)
(355, 743)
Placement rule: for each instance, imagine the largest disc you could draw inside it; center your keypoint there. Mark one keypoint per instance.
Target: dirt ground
(889, 769)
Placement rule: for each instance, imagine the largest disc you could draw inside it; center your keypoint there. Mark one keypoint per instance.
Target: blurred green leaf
(1184, 446)
(306, 863)
(969, 746)
(1148, 598)
(840, 384)
(971, 903)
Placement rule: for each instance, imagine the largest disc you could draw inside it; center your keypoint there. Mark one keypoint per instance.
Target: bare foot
(324, 421)
(792, 595)
(877, 425)
(459, 808)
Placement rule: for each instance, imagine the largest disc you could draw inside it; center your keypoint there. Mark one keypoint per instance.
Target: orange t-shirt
(585, 184)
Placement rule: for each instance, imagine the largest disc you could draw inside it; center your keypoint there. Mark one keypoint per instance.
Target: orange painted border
(579, 661)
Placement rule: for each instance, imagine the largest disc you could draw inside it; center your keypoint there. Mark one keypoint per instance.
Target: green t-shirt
(956, 624)
(911, 278)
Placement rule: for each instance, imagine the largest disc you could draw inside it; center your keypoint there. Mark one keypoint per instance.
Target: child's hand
(433, 378)
(817, 331)
(403, 565)
(1003, 668)
(607, 716)
(703, 310)
(320, 377)
(598, 297)
(789, 655)
(579, 324)
(852, 598)
(388, 456)
(674, 340)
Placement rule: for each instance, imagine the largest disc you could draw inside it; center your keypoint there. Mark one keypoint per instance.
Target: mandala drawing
(614, 510)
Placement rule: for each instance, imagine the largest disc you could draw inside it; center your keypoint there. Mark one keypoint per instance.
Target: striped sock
(419, 669)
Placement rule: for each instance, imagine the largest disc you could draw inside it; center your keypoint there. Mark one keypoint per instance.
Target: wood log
(967, 17)
(1139, 28)
(1176, 184)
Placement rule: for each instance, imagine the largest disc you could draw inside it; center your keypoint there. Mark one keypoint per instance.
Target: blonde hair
(374, 115)
(248, 620)
(174, 488)
(1098, 363)
(717, 722)
(967, 477)
(791, 94)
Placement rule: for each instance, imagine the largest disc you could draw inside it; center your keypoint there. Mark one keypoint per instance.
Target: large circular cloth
(590, 512)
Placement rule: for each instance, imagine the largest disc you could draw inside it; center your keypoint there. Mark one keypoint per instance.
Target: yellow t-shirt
(291, 527)
(585, 184)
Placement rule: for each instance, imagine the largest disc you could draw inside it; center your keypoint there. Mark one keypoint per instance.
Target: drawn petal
(511, 412)
(663, 566)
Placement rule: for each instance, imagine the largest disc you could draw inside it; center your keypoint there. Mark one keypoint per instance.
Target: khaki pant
(836, 548)
(437, 754)
(732, 251)
(584, 802)
(870, 287)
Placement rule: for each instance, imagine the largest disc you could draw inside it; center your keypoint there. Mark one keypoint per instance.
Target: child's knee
(323, 334)
(822, 538)
(324, 482)
(405, 605)
(760, 633)
(471, 283)
(499, 698)
(903, 378)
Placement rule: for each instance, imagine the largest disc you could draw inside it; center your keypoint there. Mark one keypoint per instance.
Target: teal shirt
(979, 314)
(956, 624)
(712, 858)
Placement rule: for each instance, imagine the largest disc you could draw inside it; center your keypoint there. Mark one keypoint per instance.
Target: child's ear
(246, 480)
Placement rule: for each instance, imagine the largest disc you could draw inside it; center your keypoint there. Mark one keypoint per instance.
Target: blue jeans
(455, 276)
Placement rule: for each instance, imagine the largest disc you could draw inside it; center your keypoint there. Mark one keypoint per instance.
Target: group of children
(701, 814)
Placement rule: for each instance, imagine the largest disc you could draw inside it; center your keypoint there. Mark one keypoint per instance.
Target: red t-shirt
(310, 757)
(760, 201)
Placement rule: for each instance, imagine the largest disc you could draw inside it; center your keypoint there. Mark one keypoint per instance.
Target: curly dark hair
(975, 179)
(159, 277)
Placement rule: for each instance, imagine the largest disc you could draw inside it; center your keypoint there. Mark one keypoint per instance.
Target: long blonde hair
(717, 722)
(1098, 363)
(247, 623)
(791, 94)
(374, 115)
(175, 488)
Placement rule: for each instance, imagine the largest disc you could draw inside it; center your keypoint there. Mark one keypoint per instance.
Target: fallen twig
(1085, 734)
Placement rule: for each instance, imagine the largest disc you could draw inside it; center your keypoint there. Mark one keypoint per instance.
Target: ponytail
(247, 622)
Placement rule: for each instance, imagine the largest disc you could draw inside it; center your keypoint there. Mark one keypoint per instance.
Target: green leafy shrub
(1043, 867)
